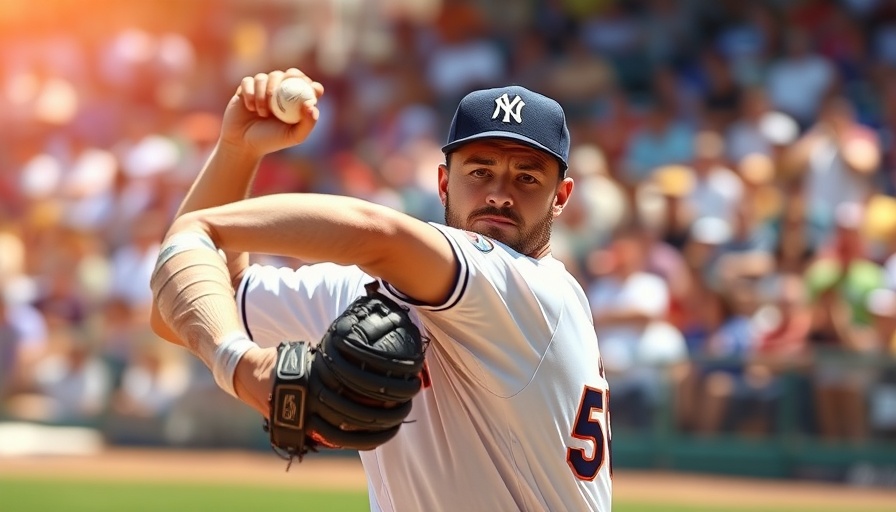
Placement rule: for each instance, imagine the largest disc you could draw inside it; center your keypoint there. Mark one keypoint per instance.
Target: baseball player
(514, 408)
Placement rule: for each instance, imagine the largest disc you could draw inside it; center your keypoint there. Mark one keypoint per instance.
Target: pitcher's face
(504, 190)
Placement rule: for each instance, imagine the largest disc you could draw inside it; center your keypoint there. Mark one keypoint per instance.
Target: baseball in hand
(287, 100)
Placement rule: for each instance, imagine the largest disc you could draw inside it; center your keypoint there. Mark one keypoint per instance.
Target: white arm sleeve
(281, 304)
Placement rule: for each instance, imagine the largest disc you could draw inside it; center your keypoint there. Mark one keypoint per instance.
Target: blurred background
(733, 221)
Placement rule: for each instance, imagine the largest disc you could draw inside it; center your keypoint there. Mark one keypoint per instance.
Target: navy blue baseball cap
(514, 113)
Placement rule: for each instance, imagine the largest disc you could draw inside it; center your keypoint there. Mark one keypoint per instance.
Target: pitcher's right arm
(249, 132)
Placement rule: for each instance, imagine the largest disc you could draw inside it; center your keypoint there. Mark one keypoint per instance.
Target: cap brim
(505, 135)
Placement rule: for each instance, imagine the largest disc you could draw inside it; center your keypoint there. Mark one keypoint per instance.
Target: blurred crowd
(733, 221)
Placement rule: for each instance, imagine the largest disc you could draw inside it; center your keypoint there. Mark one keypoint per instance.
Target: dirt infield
(345, 473)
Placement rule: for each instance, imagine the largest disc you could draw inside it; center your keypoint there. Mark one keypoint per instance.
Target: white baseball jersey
(514, 410)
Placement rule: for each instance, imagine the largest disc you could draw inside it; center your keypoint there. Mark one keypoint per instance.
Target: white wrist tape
(227, 355)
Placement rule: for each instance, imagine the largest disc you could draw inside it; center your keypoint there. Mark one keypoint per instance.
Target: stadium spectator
(725, 386)
(799, 79)
(23, 340)
(716, 190)
(71, 385)
(840, 281)
(835, 160)
(630, 308)
(662, 140)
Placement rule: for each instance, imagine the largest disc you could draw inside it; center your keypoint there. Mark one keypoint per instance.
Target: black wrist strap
(286, 425)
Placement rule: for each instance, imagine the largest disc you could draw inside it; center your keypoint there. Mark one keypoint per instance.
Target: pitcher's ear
(561, 198)
(443, 183)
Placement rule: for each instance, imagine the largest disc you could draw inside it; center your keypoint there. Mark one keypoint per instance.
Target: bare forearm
(311, 227)
(226, 178)
(410, 254)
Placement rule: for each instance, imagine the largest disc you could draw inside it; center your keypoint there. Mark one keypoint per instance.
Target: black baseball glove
(354, 389)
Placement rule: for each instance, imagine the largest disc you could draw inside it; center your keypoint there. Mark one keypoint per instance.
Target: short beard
(525, 241)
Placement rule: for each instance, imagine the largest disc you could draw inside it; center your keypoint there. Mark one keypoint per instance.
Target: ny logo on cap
(510, 108)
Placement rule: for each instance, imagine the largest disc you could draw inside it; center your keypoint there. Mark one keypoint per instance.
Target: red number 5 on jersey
(589, 428)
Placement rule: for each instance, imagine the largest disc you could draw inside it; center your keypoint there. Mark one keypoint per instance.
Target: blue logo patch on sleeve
(480, 242)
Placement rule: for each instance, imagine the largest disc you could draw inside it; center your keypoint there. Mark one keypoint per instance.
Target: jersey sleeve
(500, 316)
(282, 304)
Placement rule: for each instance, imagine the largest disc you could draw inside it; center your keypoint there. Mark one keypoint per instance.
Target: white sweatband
(227, 355)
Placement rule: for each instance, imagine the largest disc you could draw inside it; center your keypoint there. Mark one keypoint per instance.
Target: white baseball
(287, 100)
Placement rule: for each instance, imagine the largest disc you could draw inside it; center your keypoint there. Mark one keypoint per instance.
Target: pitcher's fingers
(247, 92)
(318, 88)
(295, 72)
(309, 117)
(261, 98)
(273, 81)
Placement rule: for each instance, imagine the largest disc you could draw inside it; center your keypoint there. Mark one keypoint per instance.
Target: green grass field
(29, 494)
